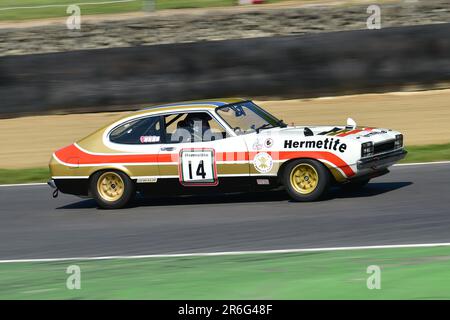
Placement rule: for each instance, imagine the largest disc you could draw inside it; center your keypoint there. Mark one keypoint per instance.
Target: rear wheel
(306, 180)
(112, 189)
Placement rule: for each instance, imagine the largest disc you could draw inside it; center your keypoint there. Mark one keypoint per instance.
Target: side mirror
(351, 124)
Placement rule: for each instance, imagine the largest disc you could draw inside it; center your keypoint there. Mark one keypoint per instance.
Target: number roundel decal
(197, 167)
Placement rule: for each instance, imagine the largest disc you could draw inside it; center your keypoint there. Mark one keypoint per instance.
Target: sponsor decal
(263, 162)
(147, 180)
(326, 144)
(149, 139)
(268, 143)
(373, 133)
(257, 145)
(263, 181)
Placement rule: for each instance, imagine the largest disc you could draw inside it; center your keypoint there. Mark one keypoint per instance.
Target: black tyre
(306, 180)
(112, 189)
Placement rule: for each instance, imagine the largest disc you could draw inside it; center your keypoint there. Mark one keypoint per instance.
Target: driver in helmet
(197, 124)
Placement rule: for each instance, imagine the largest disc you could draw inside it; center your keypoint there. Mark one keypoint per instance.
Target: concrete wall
(293, 66)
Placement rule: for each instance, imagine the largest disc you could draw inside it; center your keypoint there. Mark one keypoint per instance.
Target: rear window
(140, 131)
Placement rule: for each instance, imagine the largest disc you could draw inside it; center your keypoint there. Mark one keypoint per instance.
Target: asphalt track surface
(409, 205)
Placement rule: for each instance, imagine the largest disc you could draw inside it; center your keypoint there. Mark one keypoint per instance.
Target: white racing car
(219, 146)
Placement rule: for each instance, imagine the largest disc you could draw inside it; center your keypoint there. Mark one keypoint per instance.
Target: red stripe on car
(349, 133)
(73, 155)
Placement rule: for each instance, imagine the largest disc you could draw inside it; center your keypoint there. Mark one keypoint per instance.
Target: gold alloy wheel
(304, 178)
(110, 186)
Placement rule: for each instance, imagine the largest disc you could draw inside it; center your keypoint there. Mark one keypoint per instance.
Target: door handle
(167, 148)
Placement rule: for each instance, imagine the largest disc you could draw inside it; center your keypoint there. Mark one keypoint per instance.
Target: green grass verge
(8, 176)
(180, 4)
(60, 11)
(24, 13)
(429, 153)
(413, 273)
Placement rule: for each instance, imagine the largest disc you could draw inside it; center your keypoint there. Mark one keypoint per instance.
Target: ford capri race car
(231, 145)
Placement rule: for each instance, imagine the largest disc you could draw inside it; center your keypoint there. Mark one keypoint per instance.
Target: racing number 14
(200, 170)
(197, 167)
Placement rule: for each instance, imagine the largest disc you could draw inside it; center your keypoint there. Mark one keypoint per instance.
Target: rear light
(366, 149)
(398, 141)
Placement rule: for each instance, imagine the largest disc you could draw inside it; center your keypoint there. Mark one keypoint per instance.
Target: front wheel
(306, 180)
(112, 189)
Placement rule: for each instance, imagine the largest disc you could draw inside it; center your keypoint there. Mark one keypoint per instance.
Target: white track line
(420, 163)
(230, 253)
(395, 165)
(23, 184)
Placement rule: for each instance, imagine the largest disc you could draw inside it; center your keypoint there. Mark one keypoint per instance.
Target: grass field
(412, 273)
(24, 176)
(428, 153)
(17, 10)
(41, 9)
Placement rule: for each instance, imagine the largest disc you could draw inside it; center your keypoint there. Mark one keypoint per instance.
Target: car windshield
(246, 117)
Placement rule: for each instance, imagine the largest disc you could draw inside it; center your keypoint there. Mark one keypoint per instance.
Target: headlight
(398, 141)
(366, 149)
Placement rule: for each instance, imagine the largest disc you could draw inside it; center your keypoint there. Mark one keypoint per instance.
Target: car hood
(360, 134)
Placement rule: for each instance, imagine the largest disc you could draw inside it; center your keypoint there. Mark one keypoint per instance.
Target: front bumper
(382, 160)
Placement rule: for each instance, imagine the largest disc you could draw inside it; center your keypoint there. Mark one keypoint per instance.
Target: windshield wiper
(281, 124)
(264, 126)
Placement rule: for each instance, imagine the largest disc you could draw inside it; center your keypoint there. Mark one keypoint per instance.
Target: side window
(174, 122)
(139, 131)
(193, 127)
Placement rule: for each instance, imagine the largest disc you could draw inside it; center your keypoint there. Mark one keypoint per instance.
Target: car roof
(186, 105)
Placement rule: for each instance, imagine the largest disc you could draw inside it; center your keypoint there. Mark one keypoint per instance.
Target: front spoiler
(382, 160)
